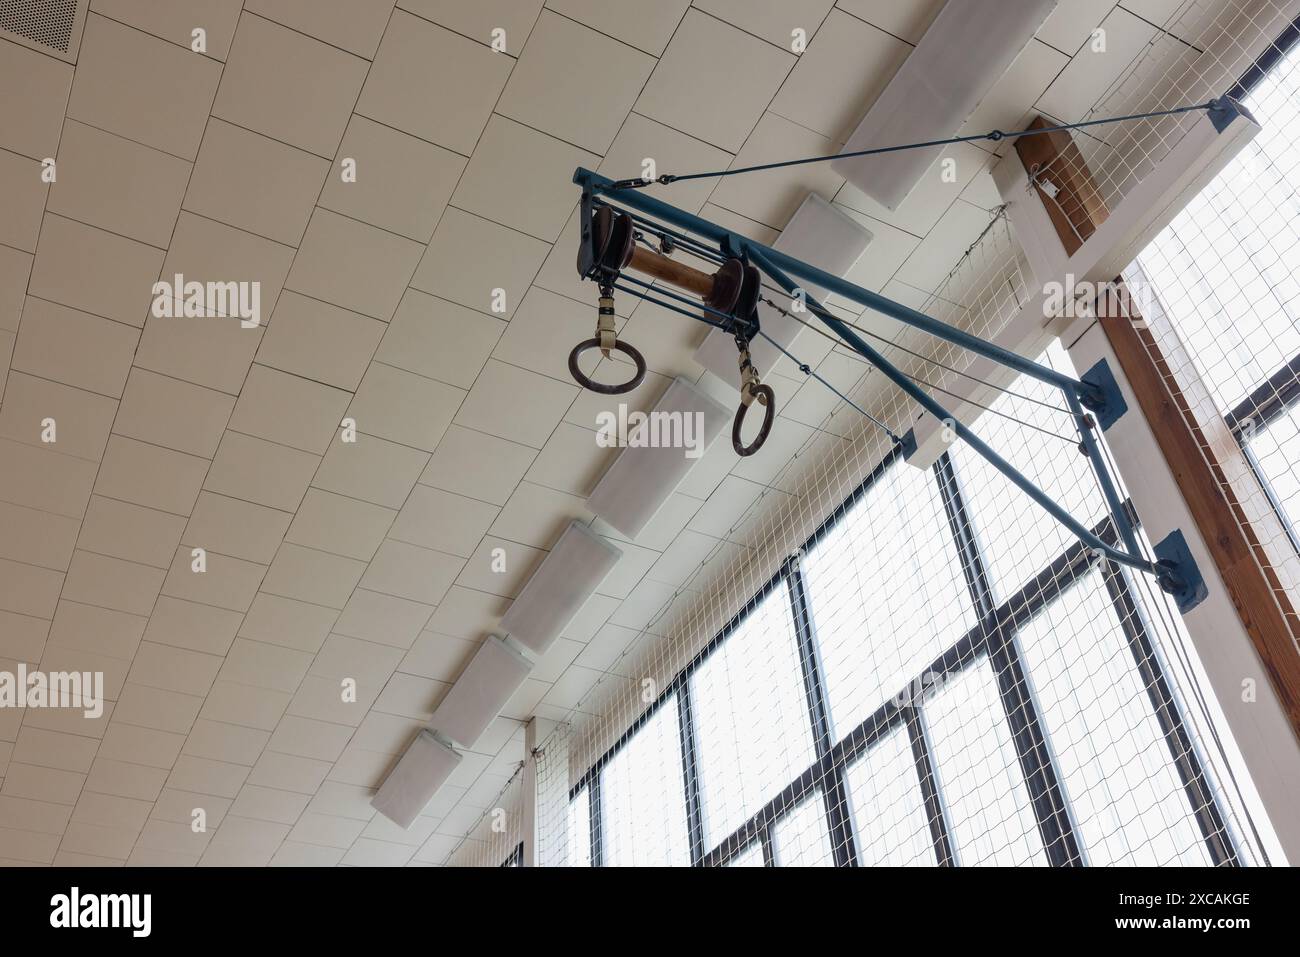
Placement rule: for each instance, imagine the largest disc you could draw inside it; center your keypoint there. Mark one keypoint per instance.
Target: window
(579, 829)
(1226, 274)
(643, 797)
(751, 718)
(887, 594)
(892, 823)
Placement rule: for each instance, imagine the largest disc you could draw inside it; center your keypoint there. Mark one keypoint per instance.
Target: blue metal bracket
(1224, 110)
(1179, 574)
(1104, 398)
(908, 445)
(1097, 391)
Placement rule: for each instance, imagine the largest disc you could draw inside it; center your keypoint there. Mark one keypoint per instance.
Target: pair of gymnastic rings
(608, 246)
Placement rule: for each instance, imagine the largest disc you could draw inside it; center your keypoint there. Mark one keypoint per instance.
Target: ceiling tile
(571, 461)
(82, 418)
(36, 94)
(666, 339)
(409, 571)
(411, 697)
(537, 516)
(537, 335)
(130, 531)
(96, 629)
(172, 413)
(285, 621)
(890, 247)
(750, 75)
(546, 93)
(210, 351)
(470, 258)
(404, 407)
(252, 182)
(1009, 102)
(149, 475)
(321, 341)
(1070, 25)
(433, 83)
(340, 525)
(906, 19)
(22, 638)
(269, 804)
(15, 270)
(383, 619)
(439, 339)
(265, 666)
(1090, 73)
(204, 250)
(437, 656)
(327, 831)
(176, 20)
(321, 699)
(261, 471)
(289, 773)
(371, 663)
(477, 20)
(312, 576)
(353, 265)
(846, 56)
(466, 613)
(494, 404)
(923, 207)
(75, 348)
(500, 567)
(943, 247)
(371, 469)
(227, 583)
(402, 183)
(22, 199)
(112, 583)
(174, 669)
(288, 86)
(119, 778)
(254, 707)
(197, 627)
(355, 26)
(773, 20)
(288, 409)
(642, 138)
(35, 536)
(232, 526)
(142, 88)
(647, 26)
(772, 196)
(522, 178)
(28, 590)
(110, 811)
(219, 741)
(124, 187)
(207, 777)
(442, 521)
(308, 738)
(94, 271)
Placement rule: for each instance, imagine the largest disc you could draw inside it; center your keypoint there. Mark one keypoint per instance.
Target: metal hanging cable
(879, 338)
(992, 136)
(918, 380)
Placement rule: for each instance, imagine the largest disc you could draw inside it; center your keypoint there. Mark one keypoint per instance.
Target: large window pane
(579, 836)
(1276, 450)
(751, 856)
(889, 815)
(981, 786)
(887, 593)
(643, 794)
(753, 731)
(1017, 536)
(801, 839)
(1114, 763)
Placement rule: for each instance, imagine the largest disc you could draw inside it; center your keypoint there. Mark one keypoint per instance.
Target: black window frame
(991, 638)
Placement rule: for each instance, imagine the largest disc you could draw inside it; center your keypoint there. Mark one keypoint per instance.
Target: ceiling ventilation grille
(50, 24)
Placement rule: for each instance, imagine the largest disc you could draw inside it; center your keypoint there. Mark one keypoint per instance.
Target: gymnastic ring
(588, 383)
(764, 395)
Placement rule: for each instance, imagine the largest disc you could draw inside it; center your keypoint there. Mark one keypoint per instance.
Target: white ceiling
(328, 560)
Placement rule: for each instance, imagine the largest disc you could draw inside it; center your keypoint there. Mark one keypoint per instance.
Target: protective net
(847, 659)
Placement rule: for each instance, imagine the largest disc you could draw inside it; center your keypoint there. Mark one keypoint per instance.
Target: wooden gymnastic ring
(760, 392)
(588, 383)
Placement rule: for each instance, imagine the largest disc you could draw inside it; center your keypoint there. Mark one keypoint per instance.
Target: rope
(993, 136)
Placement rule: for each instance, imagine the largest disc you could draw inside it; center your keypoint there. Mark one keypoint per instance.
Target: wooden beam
(1262, 604)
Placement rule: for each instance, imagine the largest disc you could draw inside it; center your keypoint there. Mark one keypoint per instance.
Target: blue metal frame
(1097, 392)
